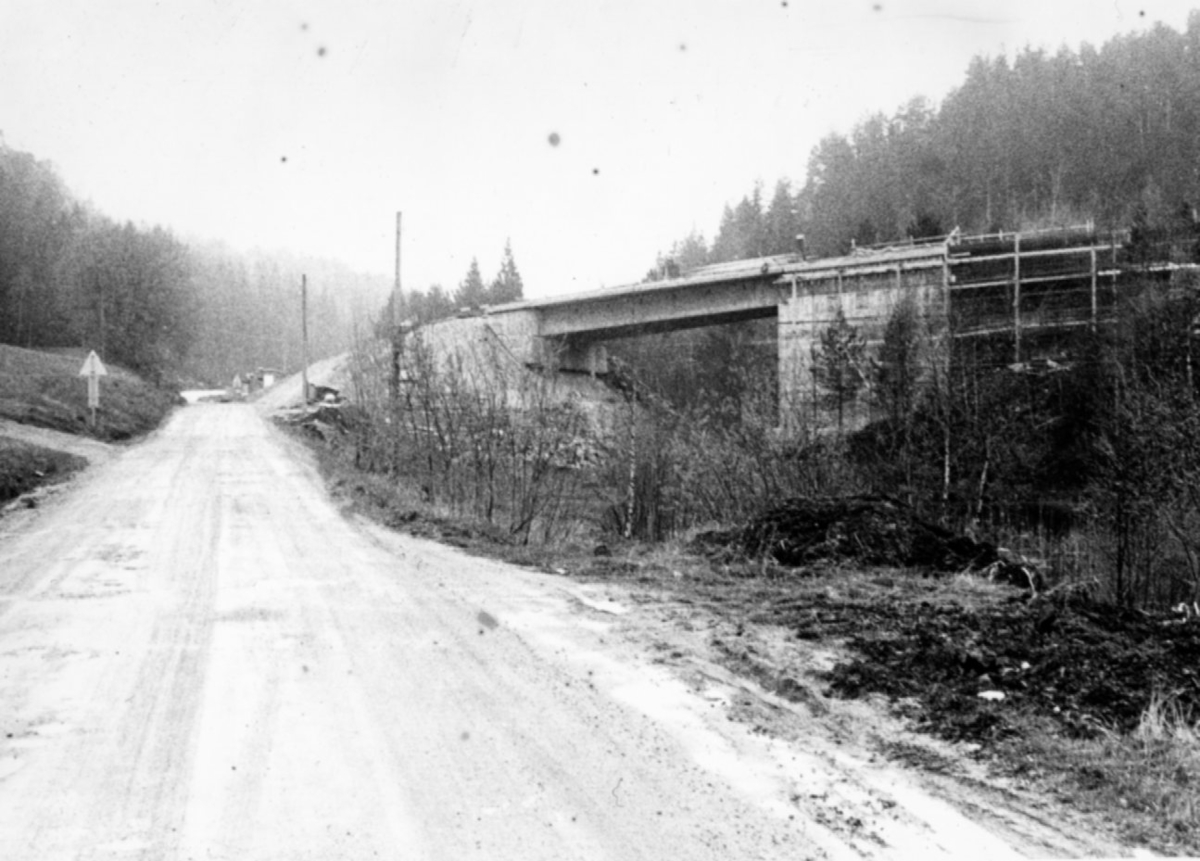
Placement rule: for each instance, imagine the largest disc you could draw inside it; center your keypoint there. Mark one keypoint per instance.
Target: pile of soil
(1087, 666)
(868, 530)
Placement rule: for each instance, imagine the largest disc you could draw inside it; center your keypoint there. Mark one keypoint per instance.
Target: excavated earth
(1088, 666)
(966, 672)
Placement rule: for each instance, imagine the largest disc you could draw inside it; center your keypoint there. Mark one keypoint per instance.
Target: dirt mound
(968, 673)
(868, 530)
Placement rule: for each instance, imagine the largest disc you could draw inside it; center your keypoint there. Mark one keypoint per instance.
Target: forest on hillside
(1109, 135)
(141, 297)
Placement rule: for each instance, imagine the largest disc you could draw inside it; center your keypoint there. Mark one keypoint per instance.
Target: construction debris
(324, 421)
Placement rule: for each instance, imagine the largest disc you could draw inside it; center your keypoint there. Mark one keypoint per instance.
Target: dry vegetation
(1088, 700)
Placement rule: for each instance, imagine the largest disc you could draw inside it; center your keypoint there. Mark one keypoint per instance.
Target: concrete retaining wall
(867, 299)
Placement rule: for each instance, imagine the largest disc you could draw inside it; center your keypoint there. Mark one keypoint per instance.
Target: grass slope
(24, 466)
(45, 389)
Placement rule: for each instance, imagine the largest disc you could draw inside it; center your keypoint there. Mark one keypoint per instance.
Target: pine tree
(507, 285)
(782, 223)
(838, 365)
(690, 252)
(750, 225)
(471, 293)
(724, 247)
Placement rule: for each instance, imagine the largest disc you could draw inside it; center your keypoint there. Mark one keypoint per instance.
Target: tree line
(1106, 134)
(248, 313)
(1109, 135)
(436, 303)
(70, 276)
(172, 311)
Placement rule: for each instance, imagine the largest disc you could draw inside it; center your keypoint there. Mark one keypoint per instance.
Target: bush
(479, 435)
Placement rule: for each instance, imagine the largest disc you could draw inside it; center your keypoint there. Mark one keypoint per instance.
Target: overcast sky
(307, 125)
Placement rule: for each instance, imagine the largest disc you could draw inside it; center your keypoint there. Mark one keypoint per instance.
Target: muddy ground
(968, 671)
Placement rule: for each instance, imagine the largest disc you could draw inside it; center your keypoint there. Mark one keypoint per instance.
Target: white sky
(222, 119)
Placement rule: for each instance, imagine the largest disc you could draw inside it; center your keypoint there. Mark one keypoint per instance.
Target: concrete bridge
(1017, 288)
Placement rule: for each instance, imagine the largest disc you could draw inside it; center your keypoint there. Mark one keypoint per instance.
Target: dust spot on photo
(487, 620)
(321, 52)
(595, 171)
(683, 46)
(283, 159)
(466, 736)
(554, 139)
(877, 7)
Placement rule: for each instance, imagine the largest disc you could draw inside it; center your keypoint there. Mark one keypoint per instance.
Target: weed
(1147, 782)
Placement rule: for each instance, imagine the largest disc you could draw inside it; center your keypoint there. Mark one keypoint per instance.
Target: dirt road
(201, 658)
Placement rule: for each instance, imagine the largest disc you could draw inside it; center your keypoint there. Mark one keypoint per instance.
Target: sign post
(93, 369)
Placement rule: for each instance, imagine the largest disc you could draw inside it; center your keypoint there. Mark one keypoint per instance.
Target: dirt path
(201, 658)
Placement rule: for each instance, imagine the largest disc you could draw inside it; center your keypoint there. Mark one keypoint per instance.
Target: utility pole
(396, 343)
(304, 338)
(397, 347)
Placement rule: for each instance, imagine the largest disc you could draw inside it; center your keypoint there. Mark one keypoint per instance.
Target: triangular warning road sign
(93, 367)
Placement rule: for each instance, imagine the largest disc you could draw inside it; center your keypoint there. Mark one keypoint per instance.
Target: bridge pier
(867, 294)
(571, 355)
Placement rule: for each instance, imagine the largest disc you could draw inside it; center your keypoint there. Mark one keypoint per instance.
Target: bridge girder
(664, 309)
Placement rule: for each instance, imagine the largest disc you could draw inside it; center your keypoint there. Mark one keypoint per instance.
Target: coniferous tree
(471, 292)
(690, 252)
(507, 285)
(725, 246)
(897, 367)
(440, 304)
(839, 365)
(782, 223)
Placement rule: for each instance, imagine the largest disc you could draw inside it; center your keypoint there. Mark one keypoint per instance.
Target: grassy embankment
(45, 390)
(24, 466)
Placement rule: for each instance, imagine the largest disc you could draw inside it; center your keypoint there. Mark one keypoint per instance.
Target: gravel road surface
(202, 658)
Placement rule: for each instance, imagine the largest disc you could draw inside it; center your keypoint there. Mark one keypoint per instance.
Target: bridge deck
(723, 293)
